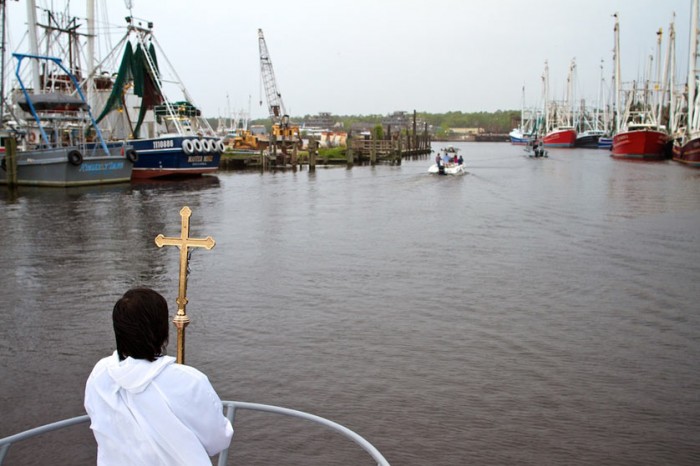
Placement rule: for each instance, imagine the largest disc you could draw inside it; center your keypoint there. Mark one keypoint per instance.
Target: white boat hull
(449, 169)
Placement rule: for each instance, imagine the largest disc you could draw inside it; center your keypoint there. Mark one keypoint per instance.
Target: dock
(360, 149)
(357, 152)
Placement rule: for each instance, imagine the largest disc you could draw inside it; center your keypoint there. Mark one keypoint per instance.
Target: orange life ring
(31, 137)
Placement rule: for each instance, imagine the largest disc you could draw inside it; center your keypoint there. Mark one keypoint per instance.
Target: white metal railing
(230, 409)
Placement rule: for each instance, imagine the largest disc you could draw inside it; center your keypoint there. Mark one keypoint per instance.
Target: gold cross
(184, 242)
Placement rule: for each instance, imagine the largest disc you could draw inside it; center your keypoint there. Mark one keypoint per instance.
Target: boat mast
(545, 93)
(693, 111)
(658, 85)
(616, 55)
(522, 112)
(673, 101)
(570, 95)
(90, 48)
(33, 43)
(600, 98)
(90, 37)
(666, 84)
(3, 22)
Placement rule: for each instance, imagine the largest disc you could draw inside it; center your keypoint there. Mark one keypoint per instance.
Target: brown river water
(534, 311)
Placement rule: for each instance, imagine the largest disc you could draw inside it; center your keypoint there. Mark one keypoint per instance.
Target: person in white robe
(144, 408)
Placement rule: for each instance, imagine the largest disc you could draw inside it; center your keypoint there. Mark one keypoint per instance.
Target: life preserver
(197, 145)
(187, 146)
(206, 146)
(220, 146)
(75, 157)
(132, 156)
(31, 137)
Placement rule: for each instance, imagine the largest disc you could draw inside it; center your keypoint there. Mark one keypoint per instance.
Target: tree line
(498, 122)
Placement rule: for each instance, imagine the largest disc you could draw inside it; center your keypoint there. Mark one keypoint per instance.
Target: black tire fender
(132, 156)
(75, 157)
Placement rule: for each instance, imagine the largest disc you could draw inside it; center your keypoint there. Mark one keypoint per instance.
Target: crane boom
(274, 98)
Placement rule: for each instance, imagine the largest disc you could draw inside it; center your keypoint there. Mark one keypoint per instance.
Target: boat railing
(230, 409)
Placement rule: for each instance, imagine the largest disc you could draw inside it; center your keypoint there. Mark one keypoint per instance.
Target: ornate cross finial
(184, 242)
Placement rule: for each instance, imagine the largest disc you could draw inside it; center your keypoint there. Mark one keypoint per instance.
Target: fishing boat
(450, 149)
(558, 116)
(642, 141)
(561, 136)
(638, 135)
(689, 153)
(170, 137)
(593, 126)
(687, 148)
(447, 169)
(59, 142)
(589, 138)
(536, 150)
(527, 130)
(605, 142)
(518, 137)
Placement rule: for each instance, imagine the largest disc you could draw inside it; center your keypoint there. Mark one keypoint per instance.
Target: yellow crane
(284, 134)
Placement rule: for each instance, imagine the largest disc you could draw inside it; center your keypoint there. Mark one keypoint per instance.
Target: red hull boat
(688, 153)
(560, 137)
(641, 144)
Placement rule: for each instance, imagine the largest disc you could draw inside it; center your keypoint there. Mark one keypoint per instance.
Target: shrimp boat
(560, 136)
(638, 136)
(59, 142)
(642, 141)
(687, 151)
(559, 130)
(518, 137)
(528, 129)
(170, 136)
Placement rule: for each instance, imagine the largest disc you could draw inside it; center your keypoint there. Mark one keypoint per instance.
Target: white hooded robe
(154, 413)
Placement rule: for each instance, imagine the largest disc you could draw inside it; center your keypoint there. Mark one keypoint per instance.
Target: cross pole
(184, 242)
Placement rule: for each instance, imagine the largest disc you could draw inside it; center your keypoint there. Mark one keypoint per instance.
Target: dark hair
(140, 319)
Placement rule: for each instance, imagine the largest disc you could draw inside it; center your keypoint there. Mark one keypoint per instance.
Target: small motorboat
(447, 169)
(536, 153)
(450, 149)
(535, 149)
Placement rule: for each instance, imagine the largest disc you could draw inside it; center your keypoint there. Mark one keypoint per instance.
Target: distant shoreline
(478, 138)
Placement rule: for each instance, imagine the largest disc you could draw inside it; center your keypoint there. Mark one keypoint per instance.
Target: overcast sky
(379, 56)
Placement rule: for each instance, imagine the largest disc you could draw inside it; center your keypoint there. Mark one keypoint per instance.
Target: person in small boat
(144, 408)
(438, 159)
(455, 159)
(536, 147)
(460, 160)
(446, 158)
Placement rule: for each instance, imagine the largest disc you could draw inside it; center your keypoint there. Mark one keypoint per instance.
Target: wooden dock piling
(349, 153)
(313, 148)
(11, 160)
(390, 147)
